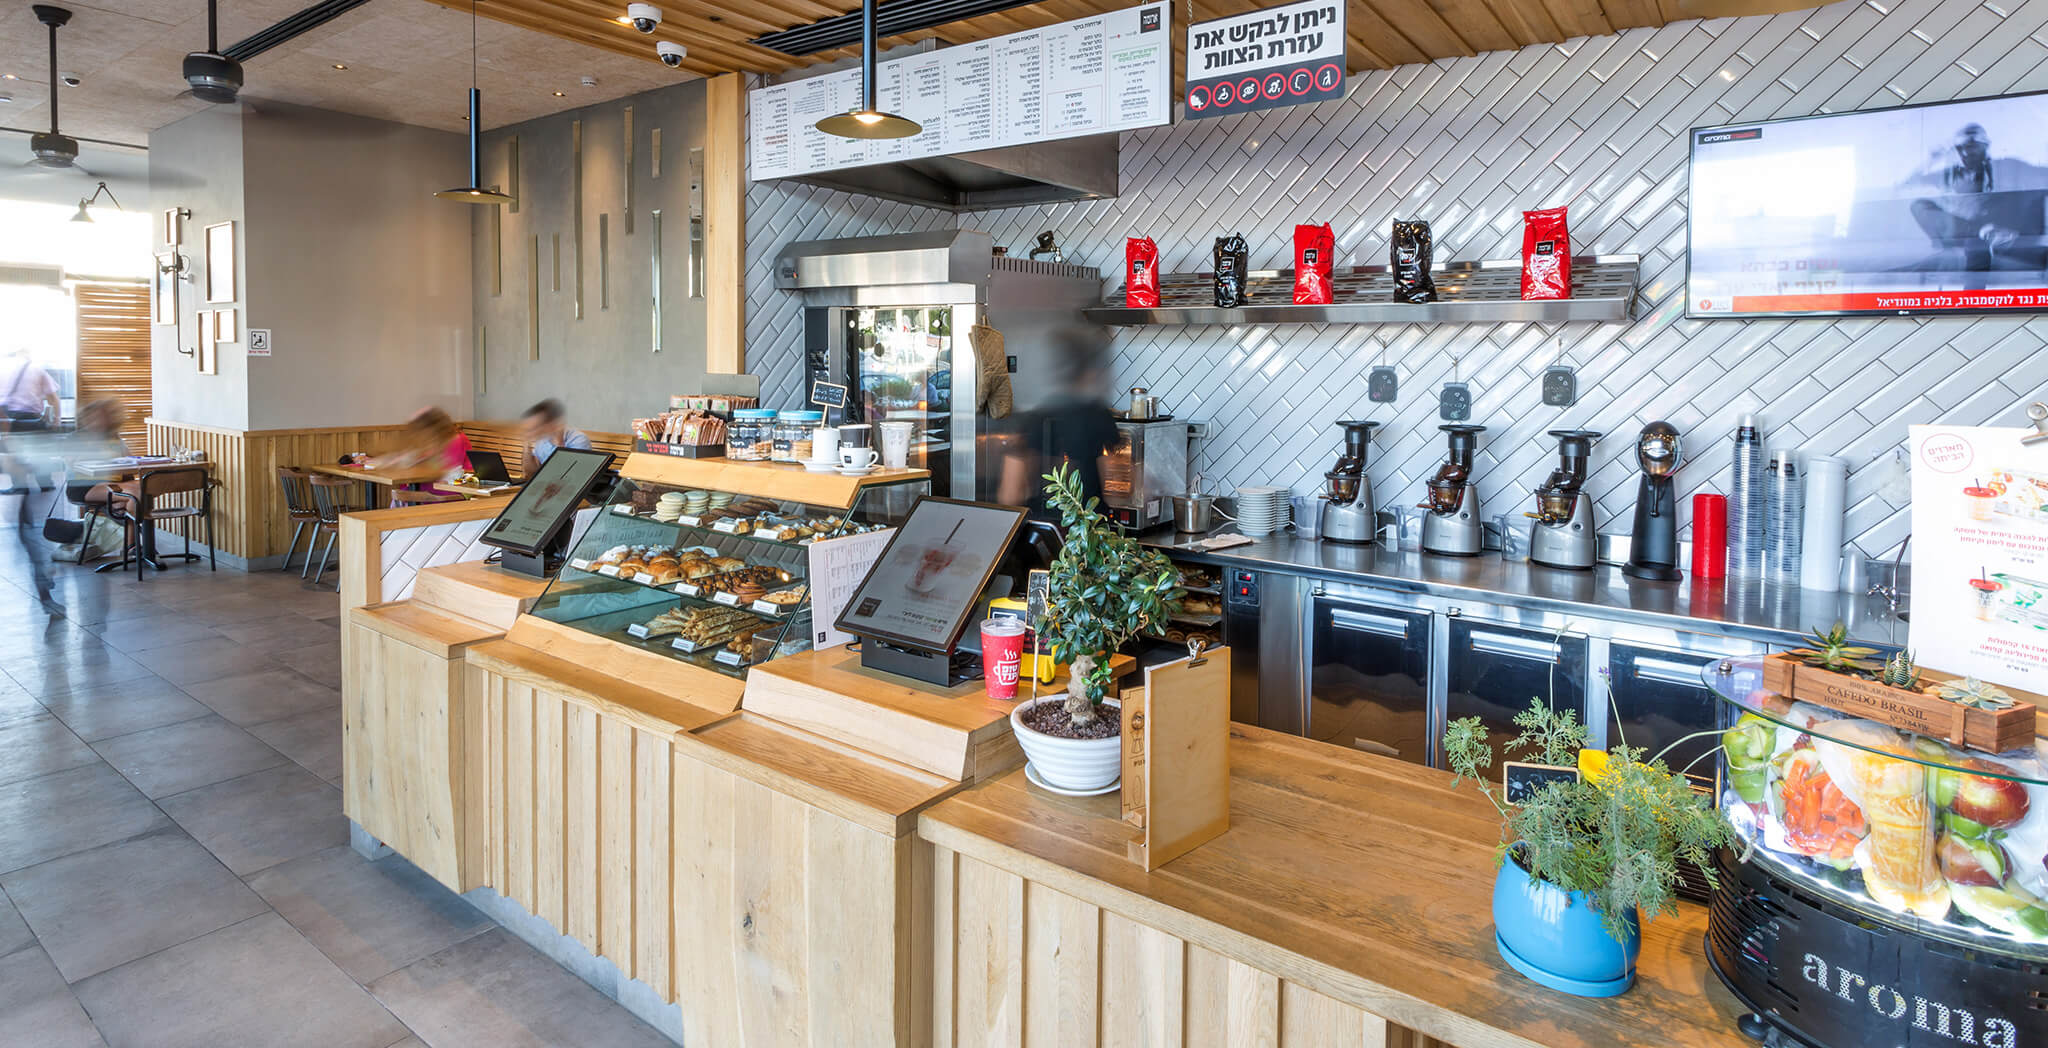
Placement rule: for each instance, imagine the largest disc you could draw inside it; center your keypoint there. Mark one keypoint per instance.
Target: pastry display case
(1892, 888)
(706, 562)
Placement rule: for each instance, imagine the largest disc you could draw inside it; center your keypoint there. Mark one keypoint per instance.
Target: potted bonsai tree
(1582, 859)
(1104, 590)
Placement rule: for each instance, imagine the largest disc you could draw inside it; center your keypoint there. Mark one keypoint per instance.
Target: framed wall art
(220, 262)
(166, 281)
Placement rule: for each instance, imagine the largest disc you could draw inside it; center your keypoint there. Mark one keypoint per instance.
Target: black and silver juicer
(1452, 526)
(1653, 542)
(1564, 535)
(1347, 511)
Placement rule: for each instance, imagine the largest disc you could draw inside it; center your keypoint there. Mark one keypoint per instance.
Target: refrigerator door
(901, 365)
(1369, 678)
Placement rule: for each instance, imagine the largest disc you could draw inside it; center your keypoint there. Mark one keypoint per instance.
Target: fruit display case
(1892, 888)
(706, 561)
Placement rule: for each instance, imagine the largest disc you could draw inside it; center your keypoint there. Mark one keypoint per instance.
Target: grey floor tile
(14, 933)
(279, 632)
(493, 991)
(108, 710)
(41, 819)
(369, 918)
(266, 695)
(319, 662)
(312, 739)
(254, 983)
(33, 746)
(187, 755)
(410, 1042)
(144, 635)
(16, 703)
(204, 660)
(221, 608)
(36, 1009)
(73, 667)
(102, 908)
(263, 818)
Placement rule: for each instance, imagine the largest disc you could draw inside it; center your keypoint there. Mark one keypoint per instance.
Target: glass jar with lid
(793, 434)
(751, 437)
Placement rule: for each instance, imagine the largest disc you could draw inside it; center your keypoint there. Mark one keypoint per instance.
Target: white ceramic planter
(1068, 764)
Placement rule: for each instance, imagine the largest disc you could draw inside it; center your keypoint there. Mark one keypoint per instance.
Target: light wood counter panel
(771, 480)
(1348, 887)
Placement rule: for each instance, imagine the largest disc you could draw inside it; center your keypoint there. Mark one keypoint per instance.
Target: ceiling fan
(54, 148)
(214, 76)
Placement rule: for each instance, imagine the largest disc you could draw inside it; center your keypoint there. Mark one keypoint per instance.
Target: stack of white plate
(1262, 510)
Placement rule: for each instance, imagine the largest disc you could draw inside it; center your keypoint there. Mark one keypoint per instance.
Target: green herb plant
(1104, 590)
(1975, 694)
(1617, 836)
(1900, 672)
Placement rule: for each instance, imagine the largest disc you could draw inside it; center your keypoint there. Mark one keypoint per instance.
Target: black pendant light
(474, 192)
(866, 121)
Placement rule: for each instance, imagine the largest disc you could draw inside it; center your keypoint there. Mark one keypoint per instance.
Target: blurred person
(97, 438)
(1072, 425)
(1969, 221)
(30, 402)
(545, 430)
(430, 438)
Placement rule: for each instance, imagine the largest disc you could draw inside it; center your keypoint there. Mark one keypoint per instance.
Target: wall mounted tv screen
(1939, 208)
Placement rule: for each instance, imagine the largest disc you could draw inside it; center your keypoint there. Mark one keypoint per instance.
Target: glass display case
(706, 561)
(1885, 875)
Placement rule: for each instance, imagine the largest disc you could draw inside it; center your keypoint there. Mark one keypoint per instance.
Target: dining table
(125, 475)
(374, 477)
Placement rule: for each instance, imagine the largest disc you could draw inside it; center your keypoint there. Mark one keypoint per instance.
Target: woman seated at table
(97, 439)
(431, 439)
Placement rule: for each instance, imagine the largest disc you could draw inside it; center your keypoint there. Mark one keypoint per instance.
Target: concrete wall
(602, 364)
(360, 273)
(197, 163)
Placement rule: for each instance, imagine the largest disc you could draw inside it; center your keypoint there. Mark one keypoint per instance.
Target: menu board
(1111, 72)
(924, 587)
(1980, 559)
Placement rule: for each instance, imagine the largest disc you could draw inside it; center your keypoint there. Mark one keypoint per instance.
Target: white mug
(857, 459)
(896, 444)
(825, 444)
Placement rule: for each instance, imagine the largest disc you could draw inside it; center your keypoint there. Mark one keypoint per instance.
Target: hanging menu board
(1108, 73)
(1279, 56)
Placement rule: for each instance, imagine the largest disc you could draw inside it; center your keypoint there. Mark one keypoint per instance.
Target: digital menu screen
(547, 500)
(924, 586)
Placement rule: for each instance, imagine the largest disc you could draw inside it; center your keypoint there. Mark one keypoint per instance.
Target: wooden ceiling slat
(1476, 24)
(1528, 21)
(562, 27)
(717, 40)
(1579, 17)
(1631, 14)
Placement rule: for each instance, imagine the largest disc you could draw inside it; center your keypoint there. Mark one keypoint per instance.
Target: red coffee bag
(1314, 248)
(1546, 255)
(1141, 273)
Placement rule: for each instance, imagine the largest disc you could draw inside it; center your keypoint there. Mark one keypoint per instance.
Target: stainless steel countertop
(1741, 607)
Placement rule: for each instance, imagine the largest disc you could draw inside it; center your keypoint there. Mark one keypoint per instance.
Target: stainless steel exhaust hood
(1044, 173)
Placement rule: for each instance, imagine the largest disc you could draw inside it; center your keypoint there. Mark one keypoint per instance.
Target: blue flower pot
(1556, 938)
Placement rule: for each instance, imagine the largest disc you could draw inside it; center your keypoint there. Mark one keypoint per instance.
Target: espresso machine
(1347, 513)
(1563, 535)
(1653, 544)
(1452, 526)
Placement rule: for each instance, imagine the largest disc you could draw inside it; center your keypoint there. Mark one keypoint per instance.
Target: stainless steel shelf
(1467, 292)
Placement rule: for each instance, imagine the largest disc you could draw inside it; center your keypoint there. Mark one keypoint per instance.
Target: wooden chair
(144, 511)
(330, 499)
(298, 503)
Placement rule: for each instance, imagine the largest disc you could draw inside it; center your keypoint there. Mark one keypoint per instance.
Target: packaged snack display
(1141, 273)
(1410, 257)
(1314, 247)
(1230, 271)
(1546, 255)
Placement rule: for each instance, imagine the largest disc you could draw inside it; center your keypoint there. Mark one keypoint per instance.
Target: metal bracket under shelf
(1604, 289)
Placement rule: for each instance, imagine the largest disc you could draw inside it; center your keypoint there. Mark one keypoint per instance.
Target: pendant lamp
(866, 121)
(474, 192)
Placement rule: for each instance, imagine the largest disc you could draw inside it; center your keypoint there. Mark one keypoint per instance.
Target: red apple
(1993, 803)
(1974, 863)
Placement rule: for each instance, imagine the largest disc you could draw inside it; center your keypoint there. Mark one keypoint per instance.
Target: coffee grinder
(1653, 545)
(1452, 527)
(1563, 535)
(1347, 513)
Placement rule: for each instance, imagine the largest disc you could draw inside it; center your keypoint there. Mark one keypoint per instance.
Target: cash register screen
(924, 587)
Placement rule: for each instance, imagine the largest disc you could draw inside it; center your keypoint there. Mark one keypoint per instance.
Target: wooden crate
(1994, 731)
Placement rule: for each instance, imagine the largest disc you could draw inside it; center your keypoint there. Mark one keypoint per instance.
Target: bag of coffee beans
(1546, 255)
(1313, 248)
(1141, 273)
(1230, 271)
(1410, 257)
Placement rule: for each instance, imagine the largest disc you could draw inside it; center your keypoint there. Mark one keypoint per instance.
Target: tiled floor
(174, 864)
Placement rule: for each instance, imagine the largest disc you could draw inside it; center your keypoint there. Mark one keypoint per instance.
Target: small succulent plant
(1975, 694)
(1831, 651)
(1899, 672)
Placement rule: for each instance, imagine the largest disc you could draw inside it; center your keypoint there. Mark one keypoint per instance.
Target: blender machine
(1564, 535)
(1347, 513)
(1452, 526)
(1653, 545)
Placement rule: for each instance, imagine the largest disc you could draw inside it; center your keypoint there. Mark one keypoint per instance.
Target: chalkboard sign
(826, 394)
(1519, 782)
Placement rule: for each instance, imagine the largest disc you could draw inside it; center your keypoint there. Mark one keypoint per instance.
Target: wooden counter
(1351, 898)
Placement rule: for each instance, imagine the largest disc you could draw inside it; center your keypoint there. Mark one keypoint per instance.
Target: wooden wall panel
(250, 519)
(403, 738)
(113, 351)
(725, 225)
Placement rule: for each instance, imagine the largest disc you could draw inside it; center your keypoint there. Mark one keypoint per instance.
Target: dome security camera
(643, 16)
(672, 54)
(71, 79)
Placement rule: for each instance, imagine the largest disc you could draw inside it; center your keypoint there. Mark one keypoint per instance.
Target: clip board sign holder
(921, 592)
(1176, 757)
(830, 396)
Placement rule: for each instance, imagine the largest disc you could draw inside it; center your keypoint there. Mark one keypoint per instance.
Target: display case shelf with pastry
(706, 562)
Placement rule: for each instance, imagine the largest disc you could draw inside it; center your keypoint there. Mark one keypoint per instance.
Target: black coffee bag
(1230, 271)
(1410, 258)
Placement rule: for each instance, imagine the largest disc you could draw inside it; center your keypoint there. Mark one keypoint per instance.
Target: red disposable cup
(1709, 536)
(1002, 652)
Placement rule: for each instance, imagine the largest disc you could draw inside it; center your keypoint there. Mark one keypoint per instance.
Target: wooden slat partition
(113, 351)
(725, 225)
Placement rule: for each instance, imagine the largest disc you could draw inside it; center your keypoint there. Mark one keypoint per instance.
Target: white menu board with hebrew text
(1110, 72)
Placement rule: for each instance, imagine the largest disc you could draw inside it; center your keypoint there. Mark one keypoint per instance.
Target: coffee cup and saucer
(857, 462)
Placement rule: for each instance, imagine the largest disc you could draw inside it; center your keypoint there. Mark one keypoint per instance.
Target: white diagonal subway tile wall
(1597, 124)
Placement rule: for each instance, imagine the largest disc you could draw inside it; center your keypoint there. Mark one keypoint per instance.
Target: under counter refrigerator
(889, 318)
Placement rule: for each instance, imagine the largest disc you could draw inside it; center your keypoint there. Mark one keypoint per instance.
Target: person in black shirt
(1073, 425)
